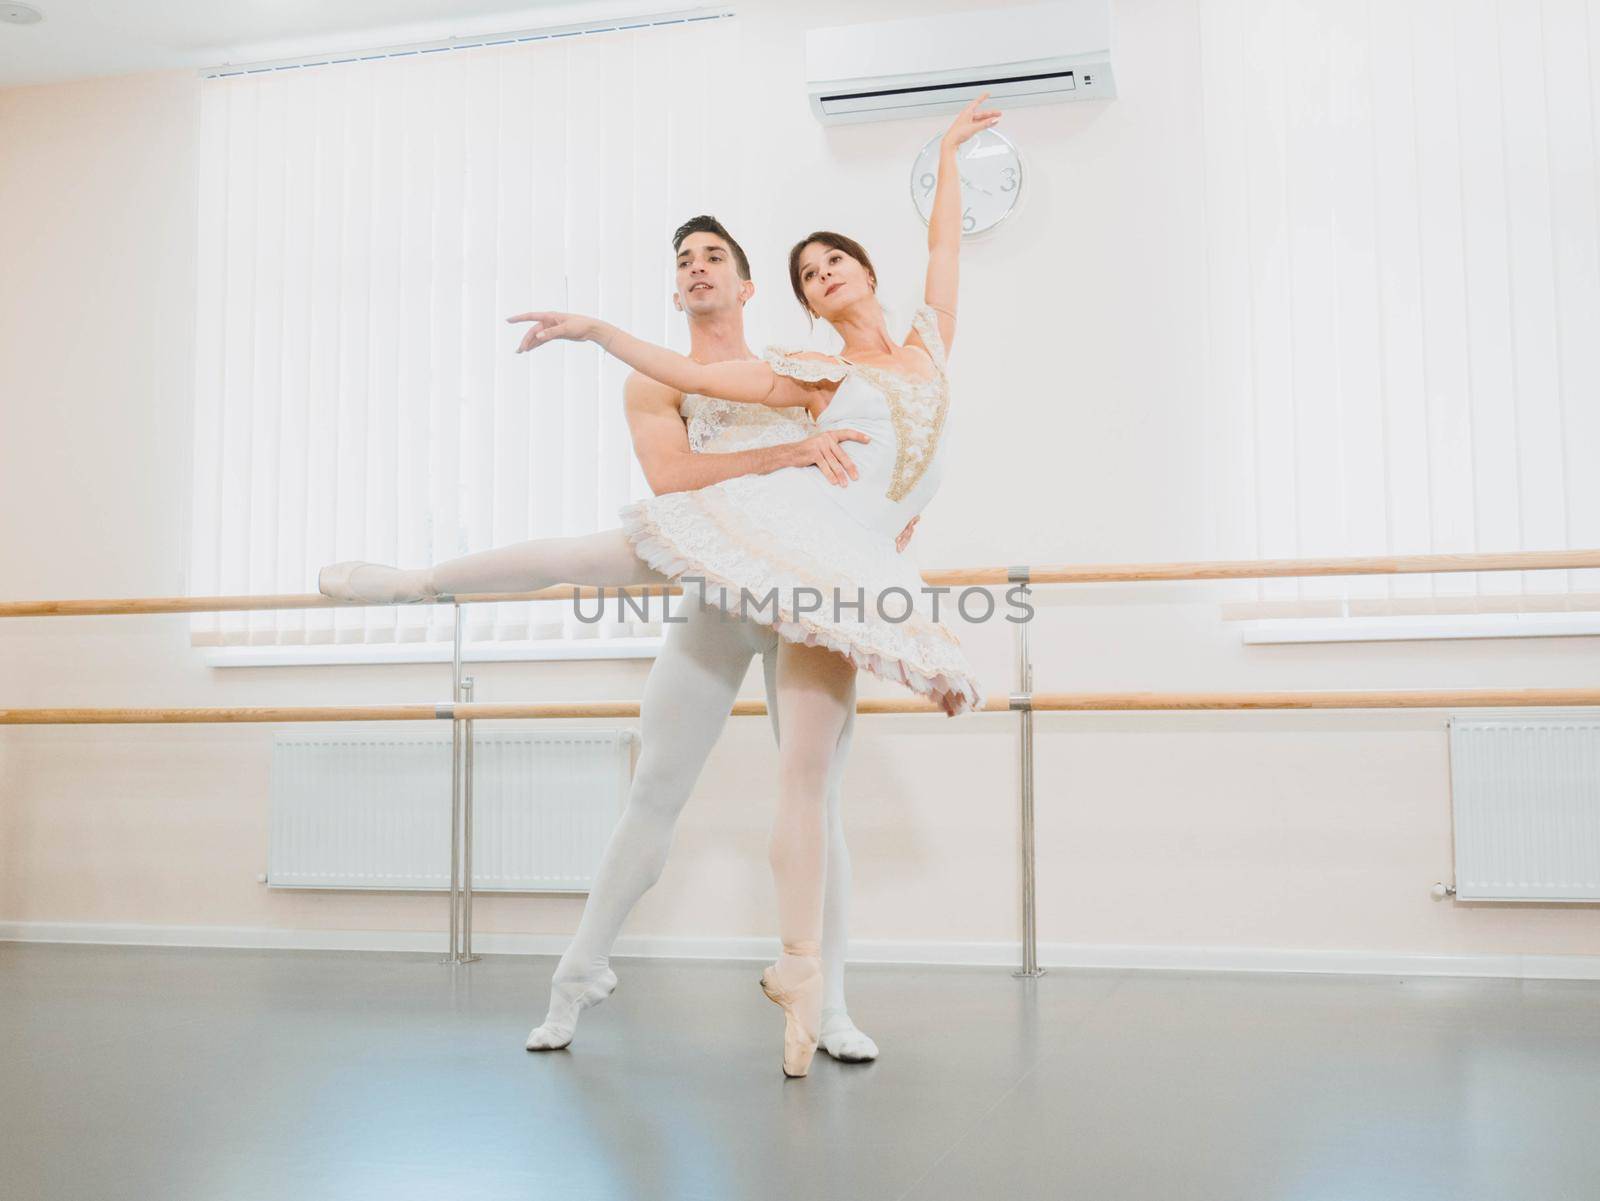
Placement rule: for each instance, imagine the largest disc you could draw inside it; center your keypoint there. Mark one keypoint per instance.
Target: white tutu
(815, 561)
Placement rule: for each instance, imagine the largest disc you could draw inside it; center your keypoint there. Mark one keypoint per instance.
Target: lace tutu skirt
(778, 549)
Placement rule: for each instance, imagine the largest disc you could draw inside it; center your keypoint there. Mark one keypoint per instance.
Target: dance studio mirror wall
(1281, 265)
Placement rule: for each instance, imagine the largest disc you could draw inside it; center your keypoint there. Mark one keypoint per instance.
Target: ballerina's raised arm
(944, 222)
(754, 381)
(748, 381)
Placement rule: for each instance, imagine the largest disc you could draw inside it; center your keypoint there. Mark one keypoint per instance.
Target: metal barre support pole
(466, 834)
(454, 957)
(1022, 703)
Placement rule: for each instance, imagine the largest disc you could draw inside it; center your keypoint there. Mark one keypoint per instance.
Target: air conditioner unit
(922, 66)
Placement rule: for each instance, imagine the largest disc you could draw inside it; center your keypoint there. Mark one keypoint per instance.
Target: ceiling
(80, 39)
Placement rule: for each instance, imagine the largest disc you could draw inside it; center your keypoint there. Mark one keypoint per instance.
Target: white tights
(687, 698)
(604, 558)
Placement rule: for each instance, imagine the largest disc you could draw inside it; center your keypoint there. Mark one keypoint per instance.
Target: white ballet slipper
(372, 583)
(569, 998)
(844, 1042)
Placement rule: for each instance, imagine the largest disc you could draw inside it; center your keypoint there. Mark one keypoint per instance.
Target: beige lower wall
(1288, 831)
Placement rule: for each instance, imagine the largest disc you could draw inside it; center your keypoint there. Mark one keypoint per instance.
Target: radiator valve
(1441, 890)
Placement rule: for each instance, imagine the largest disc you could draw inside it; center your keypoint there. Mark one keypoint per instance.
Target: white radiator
(1526, 794)
(373, 810)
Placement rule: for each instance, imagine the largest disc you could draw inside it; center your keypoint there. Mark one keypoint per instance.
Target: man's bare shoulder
(643, 394)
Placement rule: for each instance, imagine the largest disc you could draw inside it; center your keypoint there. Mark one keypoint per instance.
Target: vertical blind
(1403, 248)
(365, 227)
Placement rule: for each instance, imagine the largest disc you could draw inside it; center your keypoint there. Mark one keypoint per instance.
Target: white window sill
(329, 654)
(1419, 626)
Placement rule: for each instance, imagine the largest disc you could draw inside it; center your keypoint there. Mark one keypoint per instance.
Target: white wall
(1078, 438)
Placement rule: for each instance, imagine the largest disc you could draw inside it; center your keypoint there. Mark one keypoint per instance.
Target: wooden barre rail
(1245, 569)
(1107, 573)
(312, 600)
(1040, 702)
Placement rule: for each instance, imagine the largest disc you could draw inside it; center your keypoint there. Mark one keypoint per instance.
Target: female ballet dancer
(764, 539)
(790, 532)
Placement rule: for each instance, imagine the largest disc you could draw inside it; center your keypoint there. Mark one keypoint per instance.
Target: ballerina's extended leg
(606, 557)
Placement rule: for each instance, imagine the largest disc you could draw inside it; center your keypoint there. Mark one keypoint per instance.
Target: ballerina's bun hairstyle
(825, 237)
(706, 224)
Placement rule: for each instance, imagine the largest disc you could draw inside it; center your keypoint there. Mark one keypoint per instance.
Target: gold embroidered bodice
(891, 407)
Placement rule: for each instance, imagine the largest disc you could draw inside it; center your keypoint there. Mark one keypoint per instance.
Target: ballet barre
(462, 711)
(313, 600)
(1038, 702)
(1105, 573)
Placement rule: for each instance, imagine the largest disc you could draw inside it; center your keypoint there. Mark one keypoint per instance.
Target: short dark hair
(707, 224)
(824, 237)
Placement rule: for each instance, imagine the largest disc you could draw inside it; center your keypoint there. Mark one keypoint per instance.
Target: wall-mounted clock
(991, 180)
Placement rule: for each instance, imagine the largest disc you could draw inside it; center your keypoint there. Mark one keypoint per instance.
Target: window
(1403, 249)
(365, 227)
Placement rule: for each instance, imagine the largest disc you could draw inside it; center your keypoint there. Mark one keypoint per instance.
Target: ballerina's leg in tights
(840, 1036)
(603, 558)
(816, 695)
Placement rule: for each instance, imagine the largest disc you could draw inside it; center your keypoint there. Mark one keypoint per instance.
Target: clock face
(991, 180)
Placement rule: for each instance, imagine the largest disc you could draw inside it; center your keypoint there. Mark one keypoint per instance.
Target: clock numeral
(927, 181)
(968, 222)
(1010, 184)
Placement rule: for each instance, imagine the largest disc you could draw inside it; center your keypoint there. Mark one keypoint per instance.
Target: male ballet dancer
(692, 685)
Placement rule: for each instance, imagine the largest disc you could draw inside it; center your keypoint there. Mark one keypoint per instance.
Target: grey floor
(131, 1072)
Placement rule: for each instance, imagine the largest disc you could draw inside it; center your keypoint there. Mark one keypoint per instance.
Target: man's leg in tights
(687, 698)
(840, 1036)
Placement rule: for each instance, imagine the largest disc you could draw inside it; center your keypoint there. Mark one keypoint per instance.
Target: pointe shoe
(561, 1023)
(802, 1010)
(376, 584)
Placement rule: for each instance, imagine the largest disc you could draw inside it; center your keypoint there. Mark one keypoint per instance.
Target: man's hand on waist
(823, 451)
